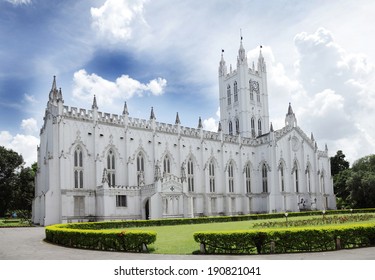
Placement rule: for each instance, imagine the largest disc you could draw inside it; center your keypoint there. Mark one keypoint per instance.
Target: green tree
(23, 192)
(10, 164)
(338, 163)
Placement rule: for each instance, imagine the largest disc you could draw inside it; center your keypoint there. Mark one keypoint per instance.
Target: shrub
(287, 240)
(104, 239)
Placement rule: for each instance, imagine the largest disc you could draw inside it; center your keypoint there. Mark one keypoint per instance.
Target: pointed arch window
(308, 177)
(235, 89)
(230, 128)
(237, 126)
(78, 168)
(248, 178)
(282, 178)
(259, 127)
(229, 95)
(230, 177)
(264, 178)
(253, 127)
(140, 168)
(211, 175)
(190, 175)
(258, 96)
(322, 182)
(251, 91)
(111, 168)
(167, 165)
(296, 182)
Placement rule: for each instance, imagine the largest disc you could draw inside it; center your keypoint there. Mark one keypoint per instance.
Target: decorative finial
(219, 129)
(271, 128)
(94, 104)
(125, 111)
(152, 116)
(177, 119)
(200, 123)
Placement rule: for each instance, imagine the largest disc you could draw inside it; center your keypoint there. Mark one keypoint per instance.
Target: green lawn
(13, 223)
(179, 239)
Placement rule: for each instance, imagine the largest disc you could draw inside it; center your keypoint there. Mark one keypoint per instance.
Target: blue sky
(320, 56)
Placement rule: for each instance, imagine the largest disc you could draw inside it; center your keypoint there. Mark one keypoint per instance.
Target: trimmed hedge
(205, 220)
(72, 235)
(312, 239)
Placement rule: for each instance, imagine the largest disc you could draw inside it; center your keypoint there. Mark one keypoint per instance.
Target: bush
(310, 239)
(109, 239)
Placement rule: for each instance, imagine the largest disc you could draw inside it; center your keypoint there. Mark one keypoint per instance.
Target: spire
(312, 137)
(271, 128)
(241, 54)
(261, 62)
(60, 95)
(177, 119)
(290, 110)
(200, 123)
(222, 66)
(290, 118)
(152, 116)
(219, 129)
(125, 111)
(94, 104)
(53, 94)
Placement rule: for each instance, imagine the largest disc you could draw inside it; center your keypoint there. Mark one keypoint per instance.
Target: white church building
(95, 166)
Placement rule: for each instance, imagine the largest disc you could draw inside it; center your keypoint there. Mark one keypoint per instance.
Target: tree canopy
(16, 182)
(354, 187)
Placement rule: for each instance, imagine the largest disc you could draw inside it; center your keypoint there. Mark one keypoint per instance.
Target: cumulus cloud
(19, 2)
(339, 89)
(26, 145)
(212, 123)
(29, 125)
(124, 87)
(116, 19)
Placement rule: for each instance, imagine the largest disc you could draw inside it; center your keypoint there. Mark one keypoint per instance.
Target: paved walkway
(28, 244)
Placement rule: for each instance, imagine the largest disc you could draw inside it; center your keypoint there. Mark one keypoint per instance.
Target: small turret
(290, 119)
(219, 129)
(125, 111)
(94, 104)
(200, 126)
(261, 62)
(222, 65)
(177, 119)
(152, 115)
(241, 59)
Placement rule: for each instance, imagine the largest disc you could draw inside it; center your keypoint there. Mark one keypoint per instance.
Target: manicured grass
(13, 223)
(179, 239)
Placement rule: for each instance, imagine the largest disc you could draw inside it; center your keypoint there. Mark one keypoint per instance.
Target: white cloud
(26, 145)
(87, 85)
(115, 19)
(19, 2)
(212, 123)
(29, 125)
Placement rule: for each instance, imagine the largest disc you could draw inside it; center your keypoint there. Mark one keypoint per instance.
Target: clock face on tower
(295, 144)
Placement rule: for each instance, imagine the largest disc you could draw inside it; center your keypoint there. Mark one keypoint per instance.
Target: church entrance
(147, 209)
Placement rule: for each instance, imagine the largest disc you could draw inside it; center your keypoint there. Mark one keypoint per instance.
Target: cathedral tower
(244, 97)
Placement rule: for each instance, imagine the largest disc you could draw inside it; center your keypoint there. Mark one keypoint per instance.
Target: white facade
(99, 166)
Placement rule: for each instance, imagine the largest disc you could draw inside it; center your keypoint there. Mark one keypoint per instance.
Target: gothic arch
(260, 165)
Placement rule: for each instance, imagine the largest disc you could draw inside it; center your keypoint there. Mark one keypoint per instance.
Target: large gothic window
(140, 168)
(167, 165)
(253, 127)
(282, 179)
(296, 176)
(235, 91)
(259, 127)
(78, 168)
(251, 91)
(237, 126)
(211, 175)
(230, 128)
(111, 168)
(308, 177)
(229, 95)
(230, 177)
(264, 178)
(190, 175)
(248, 178)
